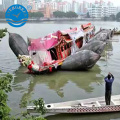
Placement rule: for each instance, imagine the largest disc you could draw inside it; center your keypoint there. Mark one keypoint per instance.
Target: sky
(116, 2)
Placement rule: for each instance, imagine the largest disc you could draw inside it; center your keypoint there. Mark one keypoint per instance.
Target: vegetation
(3, 32)
(5, 87)
(105, 18)
(35, 15)
(118, 17)
(59, 14)
(88, 15)
(2, 15)
(71, 14)
(31, 14)
(112, 17)
(39, 107)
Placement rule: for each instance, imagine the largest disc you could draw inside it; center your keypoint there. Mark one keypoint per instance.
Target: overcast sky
(0, 1)
(116, 2)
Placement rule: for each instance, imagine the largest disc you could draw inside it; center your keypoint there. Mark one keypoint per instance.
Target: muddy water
(62, 85)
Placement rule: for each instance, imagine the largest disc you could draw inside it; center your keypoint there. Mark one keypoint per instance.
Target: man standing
(87, 38)
(108, 87)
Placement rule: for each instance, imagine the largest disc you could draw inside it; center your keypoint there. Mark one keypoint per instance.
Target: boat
(91, 105)
(116, 32)
(50, 52)
(61, 50)
(102, 35)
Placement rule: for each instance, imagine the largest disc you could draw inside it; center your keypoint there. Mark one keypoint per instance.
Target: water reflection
(56, 81)
(21, 75)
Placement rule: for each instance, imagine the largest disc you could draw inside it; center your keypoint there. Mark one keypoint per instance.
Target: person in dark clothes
(87, 38)
(108, 87)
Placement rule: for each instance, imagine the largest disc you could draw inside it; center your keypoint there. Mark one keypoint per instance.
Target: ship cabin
(63, 48)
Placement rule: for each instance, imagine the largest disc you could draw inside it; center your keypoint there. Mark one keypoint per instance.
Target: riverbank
(34, 20)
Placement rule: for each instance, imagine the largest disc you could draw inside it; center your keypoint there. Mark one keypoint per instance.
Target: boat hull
(116, 33)
(17, 44)
(81, 60)
(102, 35)
(103, 109)
(95, 46)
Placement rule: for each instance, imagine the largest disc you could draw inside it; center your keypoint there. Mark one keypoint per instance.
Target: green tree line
(70, 14)
(31, 14)
(118, 17)
(2, 15)
(59, 14)
(35, 14)
(111, 18)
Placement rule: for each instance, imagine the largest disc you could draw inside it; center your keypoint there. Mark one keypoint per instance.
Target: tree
(71, 14)
(36, 14)
(118, 16)
(88, 15)
(112, 17)
(5, 87)
(3, 32)
(105, 18)
(59, 14)
(2, 15)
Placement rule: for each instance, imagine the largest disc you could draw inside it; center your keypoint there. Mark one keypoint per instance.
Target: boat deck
(96, 102)
(92, 105)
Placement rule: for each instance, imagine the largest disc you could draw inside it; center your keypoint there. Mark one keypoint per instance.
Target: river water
(61, 85)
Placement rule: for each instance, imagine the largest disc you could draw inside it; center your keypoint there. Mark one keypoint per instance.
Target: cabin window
(62, 48)
(68, 46)
(79, 42)
(65, 46)
(34, 53)
(66, 36)
(53, 54)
